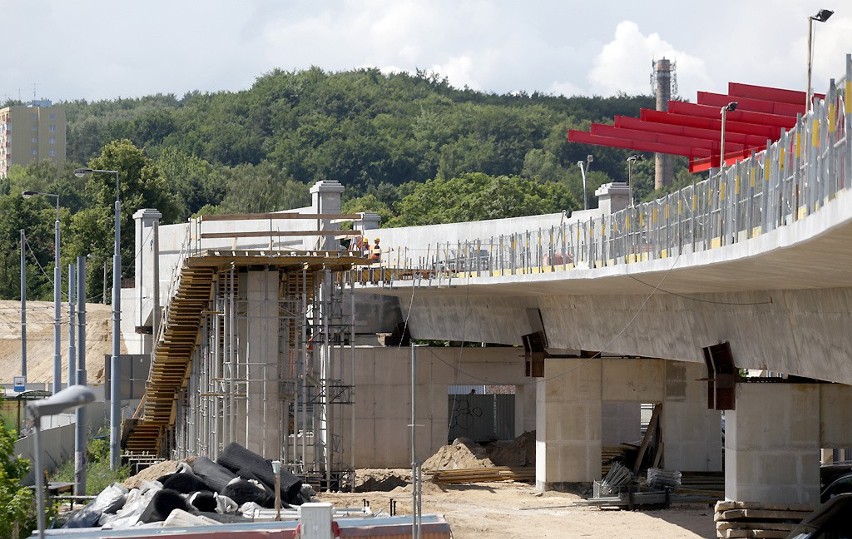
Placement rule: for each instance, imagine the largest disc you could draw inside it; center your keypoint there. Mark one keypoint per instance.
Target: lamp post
(589, 159)
(115, 398)
(630, 160)
(821, 16)
(732, 106)
(57, 295)
(67, 399)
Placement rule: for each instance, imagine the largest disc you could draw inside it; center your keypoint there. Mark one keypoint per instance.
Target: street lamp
(821, 16)
(630, 160)
(67, 399)
(589, 159)
(115, 402)
(57, 295)
(730, 107)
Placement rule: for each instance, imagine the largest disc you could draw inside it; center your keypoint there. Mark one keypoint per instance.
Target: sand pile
(460, 454)
(151, 473)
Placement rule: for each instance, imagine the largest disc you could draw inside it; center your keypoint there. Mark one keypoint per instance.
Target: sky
(96, 49)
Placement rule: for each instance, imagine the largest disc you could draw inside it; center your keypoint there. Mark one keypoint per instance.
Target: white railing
(792, 178)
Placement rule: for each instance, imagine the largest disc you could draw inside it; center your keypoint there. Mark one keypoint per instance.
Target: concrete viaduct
(597, 311)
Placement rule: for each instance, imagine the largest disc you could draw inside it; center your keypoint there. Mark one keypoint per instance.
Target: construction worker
(376, 252)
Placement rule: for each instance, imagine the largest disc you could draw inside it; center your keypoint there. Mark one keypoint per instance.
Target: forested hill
(362, 128)
(409, 147)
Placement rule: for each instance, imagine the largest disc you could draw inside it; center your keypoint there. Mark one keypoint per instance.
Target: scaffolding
(296, 403)
(252, 351)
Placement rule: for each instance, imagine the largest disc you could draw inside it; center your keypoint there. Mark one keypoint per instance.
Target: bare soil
(40, 323)
(508, 509)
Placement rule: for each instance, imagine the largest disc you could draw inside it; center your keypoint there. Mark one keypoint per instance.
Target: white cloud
(624, 64)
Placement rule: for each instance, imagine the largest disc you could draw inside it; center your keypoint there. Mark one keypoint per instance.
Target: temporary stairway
(171, 361)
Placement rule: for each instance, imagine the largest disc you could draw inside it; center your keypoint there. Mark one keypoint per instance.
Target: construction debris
(750, 519)
(238, 487)
(660, 479)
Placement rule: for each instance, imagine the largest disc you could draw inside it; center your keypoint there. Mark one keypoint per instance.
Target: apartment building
(29, 134)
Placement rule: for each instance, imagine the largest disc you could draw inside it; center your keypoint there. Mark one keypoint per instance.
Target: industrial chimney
(662, 81)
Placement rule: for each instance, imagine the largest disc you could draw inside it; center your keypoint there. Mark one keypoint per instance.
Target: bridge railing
(792, 178)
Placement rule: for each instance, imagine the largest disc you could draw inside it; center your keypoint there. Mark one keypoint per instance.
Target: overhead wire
(597, 355)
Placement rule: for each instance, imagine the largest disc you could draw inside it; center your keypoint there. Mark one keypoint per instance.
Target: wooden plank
(276, 216)
(732, 524)
(649, 433)
(760, 514)
(725, 505)
(279, 233)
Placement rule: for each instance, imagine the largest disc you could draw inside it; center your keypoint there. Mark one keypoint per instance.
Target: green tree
(194, 181)
(140, 185)
(478, 196)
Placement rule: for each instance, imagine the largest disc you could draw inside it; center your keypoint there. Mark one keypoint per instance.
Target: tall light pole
(57, 295)
(630, 160)
(732, 106)
(587, 162)
(821, 16)
(115, 397)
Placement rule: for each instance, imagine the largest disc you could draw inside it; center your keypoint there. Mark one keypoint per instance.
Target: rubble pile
(237, 487)
(516, 453)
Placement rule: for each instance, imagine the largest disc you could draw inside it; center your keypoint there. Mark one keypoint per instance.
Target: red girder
(694, 130)
(584, 137)
(704, 111)
(754, 105)
(687, 131)
(765, 131)
(711, 145)
(794, 97)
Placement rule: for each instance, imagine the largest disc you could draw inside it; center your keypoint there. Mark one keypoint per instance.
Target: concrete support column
(612, 197)
(325, 197)
(263, 428)
(772, 444)
(692, 434)
(568, 423)
(146, 221)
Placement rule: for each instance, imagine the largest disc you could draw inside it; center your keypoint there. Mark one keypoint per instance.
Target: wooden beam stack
(481, 475)
(751, 519)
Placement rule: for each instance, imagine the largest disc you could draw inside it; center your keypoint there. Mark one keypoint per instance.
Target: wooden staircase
(172, 356)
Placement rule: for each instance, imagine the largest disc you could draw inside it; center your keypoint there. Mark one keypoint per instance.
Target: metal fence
(794, 177)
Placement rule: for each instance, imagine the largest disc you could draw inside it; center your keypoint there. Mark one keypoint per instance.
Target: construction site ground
(510, 509)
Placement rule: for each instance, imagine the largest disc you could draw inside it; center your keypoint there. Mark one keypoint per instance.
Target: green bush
(17, 511)
(98, 473)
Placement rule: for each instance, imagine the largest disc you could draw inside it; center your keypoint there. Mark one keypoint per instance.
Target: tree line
(407, 146)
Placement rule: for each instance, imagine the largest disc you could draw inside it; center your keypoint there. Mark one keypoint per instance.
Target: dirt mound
(517, 452)
(151, 473)
(381, 480)
(460, 454)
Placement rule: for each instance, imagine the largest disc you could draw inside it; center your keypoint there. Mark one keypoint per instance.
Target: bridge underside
(761, 295)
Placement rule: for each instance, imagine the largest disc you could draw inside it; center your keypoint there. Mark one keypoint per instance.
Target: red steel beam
(765, 131)
(663, 138)
(753, 105)
(779, 95)
(704, 111)
(629, 122)
(583, 137)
